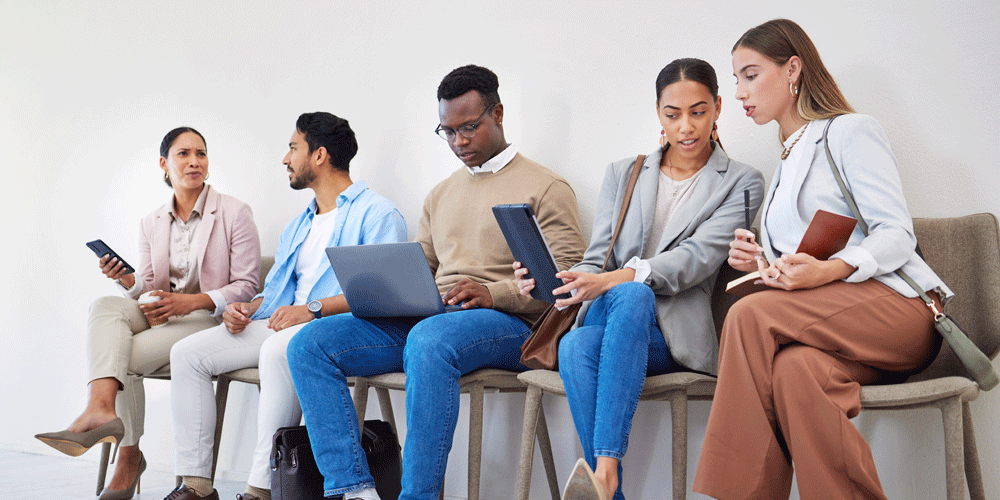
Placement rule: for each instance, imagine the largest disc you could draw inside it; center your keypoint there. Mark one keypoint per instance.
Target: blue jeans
(433, 352)
(603, 365)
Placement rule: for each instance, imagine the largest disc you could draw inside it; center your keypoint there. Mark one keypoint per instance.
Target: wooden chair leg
(973, 474)
(951, 416)
(545, 446)
(385, 405)
(475, 438)
(361, 401)
(102, 469)
(532, 404)
(679, 423)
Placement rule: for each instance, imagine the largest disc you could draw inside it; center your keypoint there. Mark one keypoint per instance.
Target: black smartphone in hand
(101, 249)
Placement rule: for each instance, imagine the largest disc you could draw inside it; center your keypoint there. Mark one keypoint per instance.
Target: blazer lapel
(160, 245)
(809, 151)
(199, 243)
(711, 176)
(645, 196)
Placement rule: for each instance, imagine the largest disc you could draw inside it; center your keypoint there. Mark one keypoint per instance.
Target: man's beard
(302, 179)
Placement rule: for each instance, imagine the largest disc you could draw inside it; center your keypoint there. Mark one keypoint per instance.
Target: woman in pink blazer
(199, 252)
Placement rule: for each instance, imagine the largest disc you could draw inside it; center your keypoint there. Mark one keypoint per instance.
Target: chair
(677, 388)
(965, 253)
(475, 384)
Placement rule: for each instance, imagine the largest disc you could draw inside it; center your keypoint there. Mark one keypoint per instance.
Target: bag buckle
(937, 314)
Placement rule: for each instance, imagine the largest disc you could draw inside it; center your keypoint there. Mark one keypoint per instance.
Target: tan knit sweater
(461, 238)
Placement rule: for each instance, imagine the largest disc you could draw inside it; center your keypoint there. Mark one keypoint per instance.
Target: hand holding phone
(101, 249)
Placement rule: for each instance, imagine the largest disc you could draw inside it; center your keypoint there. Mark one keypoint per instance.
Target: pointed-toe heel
(582, 484)
(75, 444)
(109, 494)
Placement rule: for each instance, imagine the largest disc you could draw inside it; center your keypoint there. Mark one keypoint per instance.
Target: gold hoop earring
(165, 176)
(663, 138)
(794, 89)
(207, 176)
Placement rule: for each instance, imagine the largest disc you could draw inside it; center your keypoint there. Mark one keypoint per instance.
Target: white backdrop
(87, 89)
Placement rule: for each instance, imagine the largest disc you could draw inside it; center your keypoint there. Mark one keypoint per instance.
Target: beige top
(461, 238)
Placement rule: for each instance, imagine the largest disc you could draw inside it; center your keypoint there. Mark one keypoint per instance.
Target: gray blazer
(693, 247)
(861, 151)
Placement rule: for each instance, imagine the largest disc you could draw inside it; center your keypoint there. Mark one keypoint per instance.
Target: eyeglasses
(468, 130)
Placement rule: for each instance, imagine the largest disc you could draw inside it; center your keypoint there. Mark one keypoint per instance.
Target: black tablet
(524, 237)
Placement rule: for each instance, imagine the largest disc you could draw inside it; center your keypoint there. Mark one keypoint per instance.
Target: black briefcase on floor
(294, 475)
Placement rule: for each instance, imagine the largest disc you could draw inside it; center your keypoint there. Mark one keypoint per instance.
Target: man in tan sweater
(472, 267)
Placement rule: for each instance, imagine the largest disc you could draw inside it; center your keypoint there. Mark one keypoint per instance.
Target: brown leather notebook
(826, 235)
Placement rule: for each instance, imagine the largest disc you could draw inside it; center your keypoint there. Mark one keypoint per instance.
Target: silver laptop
(387, 280)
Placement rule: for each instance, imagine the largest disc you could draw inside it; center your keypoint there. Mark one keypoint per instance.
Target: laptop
(387, 280)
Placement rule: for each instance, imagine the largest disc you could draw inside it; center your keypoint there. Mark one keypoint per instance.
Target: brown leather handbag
(541, 350)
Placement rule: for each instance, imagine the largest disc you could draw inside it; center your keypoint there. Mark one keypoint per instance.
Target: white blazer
(687, 258)
(861, 151)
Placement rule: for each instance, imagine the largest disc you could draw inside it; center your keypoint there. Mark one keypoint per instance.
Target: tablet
(527, 243)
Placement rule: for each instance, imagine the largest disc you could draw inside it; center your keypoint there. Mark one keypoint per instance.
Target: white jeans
(199, 357)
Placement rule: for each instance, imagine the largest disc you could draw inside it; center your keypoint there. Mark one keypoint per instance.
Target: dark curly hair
(322, 129)
(470, 77)
(168, 141)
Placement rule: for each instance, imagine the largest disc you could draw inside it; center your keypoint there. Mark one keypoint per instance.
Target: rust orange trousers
(791, 365)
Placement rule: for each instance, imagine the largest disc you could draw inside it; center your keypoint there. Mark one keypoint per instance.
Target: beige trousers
(120, 344)
(791, 366)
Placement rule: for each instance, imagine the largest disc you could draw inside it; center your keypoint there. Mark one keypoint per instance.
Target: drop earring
(663, 138)
(715, 132)
(794, 89)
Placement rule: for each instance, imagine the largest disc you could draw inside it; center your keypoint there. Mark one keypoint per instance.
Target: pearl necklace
(788, 150)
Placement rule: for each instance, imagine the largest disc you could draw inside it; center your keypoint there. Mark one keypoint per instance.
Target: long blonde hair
(819, 96)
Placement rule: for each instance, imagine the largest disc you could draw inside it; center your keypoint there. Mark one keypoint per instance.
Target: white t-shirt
(312, 255)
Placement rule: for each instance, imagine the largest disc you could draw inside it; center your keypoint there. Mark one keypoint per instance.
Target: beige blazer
(688, 256)
(226, 243)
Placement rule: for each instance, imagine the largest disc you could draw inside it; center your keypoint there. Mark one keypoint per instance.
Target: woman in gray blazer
(650, 312)
(793, 357)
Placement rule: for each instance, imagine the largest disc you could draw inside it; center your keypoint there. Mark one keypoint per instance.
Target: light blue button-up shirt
(363, 217)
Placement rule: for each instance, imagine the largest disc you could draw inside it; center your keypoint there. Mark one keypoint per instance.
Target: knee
(108, 305)
(576, 348)
(184, 355)
(302, 346)
(795, 367)
(632, 290)
(274, 351)
(428, 345)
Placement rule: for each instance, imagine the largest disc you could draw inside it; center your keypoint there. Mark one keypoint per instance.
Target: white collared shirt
(493, 165)
(783, 224)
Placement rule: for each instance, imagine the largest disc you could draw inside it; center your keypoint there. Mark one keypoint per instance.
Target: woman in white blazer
(793, 357)
(650, 312)
(198, 252)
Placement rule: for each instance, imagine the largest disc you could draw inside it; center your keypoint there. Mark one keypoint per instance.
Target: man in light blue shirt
(299, 288)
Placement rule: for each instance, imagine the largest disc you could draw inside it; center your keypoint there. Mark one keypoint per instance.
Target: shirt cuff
(132, 293)
(861, 259)
(642, 269)
(220, 302)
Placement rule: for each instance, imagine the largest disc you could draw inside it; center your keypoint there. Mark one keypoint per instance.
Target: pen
(746, 207)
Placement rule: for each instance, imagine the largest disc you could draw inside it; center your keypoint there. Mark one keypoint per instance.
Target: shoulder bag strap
(625, 202)
(977, 363)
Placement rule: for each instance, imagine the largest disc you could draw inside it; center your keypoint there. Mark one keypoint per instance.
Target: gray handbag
(972, 358)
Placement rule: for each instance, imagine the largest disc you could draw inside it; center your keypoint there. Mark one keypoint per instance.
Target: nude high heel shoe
(75, 444)
(110, 494)
(582, 484)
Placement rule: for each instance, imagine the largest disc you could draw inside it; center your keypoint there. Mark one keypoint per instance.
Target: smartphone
(101, 249)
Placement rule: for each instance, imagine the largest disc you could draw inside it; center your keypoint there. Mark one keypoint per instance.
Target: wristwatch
(316, 307)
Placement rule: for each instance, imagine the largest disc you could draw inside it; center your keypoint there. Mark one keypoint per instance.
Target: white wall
(87, 91)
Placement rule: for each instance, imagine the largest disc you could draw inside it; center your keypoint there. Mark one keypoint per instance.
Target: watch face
(314, 306)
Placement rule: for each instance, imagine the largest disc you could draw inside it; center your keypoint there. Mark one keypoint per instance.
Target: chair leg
(532, 404)
(475, 438)
(679, 421)
(545, 446)
(361, 401)
(102, 469)
(385, 405)
(973, 474)
(221, 398)
(951, 415)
